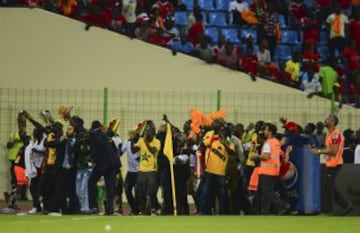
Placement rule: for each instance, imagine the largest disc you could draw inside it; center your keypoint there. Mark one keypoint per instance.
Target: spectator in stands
(311, 83)
(297, 11)
(338, 26)
(183, 45)
(142, 32)
(128, 11)
(227, 56)
(264, 60)
(355, 27)
(309, 131)
(349, 146)
(170, 31)
(310, 58)
(269, 28)
(293, 69)
(204, 51)
(311, 27)
(159, 20)
(220, 44)
(117, 21)
(166, 8)
(67, 7)
(248, 63)
(258, 6)
(96, 16)
(236, 7)
(320, 134)
(196, 31)
(192, 16)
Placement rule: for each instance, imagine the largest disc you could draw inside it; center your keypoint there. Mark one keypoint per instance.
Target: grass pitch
(191, 224)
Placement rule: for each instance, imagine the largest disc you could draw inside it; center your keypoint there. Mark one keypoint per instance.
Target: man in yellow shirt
(293, 69)
(218, 148)
(147, 180)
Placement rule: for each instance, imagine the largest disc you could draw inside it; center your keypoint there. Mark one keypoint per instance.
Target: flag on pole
(168, 152)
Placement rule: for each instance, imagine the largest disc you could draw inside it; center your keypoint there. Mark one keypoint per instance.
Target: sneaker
(346, 210)
(54, 214)
(33, 211)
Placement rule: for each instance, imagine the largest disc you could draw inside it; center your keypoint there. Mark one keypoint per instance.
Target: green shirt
(18, 144)
(328, 79)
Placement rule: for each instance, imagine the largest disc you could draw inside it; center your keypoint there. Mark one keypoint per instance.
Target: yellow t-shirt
(254, 144)
(293, 68)
(216, 156)
(148, 160)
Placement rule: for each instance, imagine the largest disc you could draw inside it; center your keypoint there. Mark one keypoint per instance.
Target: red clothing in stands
(297, 10)
(249, 64)
(312, 57)
(355, 30)
(324, 3)
(166, 8)
(311, 30)
(352, 56)
(196, 30)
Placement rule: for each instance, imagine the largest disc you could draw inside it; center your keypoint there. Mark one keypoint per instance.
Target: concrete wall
(44, 56)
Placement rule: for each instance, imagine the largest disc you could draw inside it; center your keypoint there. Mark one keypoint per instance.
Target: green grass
(191, 224)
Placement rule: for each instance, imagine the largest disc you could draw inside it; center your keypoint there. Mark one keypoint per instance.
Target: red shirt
(249, 63)
(352, 56)
(195, 30)
(102, 19)
(355, 30)
(311, 30)
(297, 10)
(314, 58)
(345, 4)
(165, 8)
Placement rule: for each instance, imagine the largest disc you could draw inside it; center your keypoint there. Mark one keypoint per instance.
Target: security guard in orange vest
(334, 147)
(269, 172)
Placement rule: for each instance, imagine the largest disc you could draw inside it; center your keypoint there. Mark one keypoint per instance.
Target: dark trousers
(213, 187)
(147, 186)
(268, 195)
(181, 178)
(110, 182)
(65, 188)
(34, 191)
(337, 43)
(47, 186)
(12, 174)
(165, 183)
(272, 42)
(130, 182)
(330, 192)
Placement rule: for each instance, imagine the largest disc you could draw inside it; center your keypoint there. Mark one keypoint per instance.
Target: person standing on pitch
(269, 172)
(334, 147)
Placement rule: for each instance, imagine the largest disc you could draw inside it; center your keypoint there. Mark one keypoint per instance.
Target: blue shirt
(179, 47)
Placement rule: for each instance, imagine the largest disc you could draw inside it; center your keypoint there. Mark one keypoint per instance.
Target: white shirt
(314, 86)
(343, 20)
(240, 7)
(132, 158)
(34, 159)
(357, 154)
(264, 57)
(266, 148)
(128, 10)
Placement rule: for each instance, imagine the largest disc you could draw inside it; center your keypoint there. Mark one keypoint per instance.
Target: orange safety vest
(333, 138)
(254, 180)
(271, 166)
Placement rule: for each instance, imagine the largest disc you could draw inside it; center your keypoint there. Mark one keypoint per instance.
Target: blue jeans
(82, 178)
(212, 186)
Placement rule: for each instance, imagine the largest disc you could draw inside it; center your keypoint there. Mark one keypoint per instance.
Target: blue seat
(231, 34)
(244, 32)
(289, 37)
(282, 21)
(217, 19)
(206, 5)
(180, 18)
(213, 33)
(323, 36)
(324, 52)
(282, 52)
(222, 5)
(189, 4)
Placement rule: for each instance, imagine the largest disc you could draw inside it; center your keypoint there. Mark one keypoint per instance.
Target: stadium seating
(217, 19)
(282, 22)
(213, 33)
(206, 5)
(189, 4)
(222, 5)
(244, 32)
(324, 52)
(323, 36)
(289, 37)
(180, 18)
(231, 34)
(282, 52)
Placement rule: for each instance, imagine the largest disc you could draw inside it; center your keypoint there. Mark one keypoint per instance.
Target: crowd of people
(323, 25)
(226, 168)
